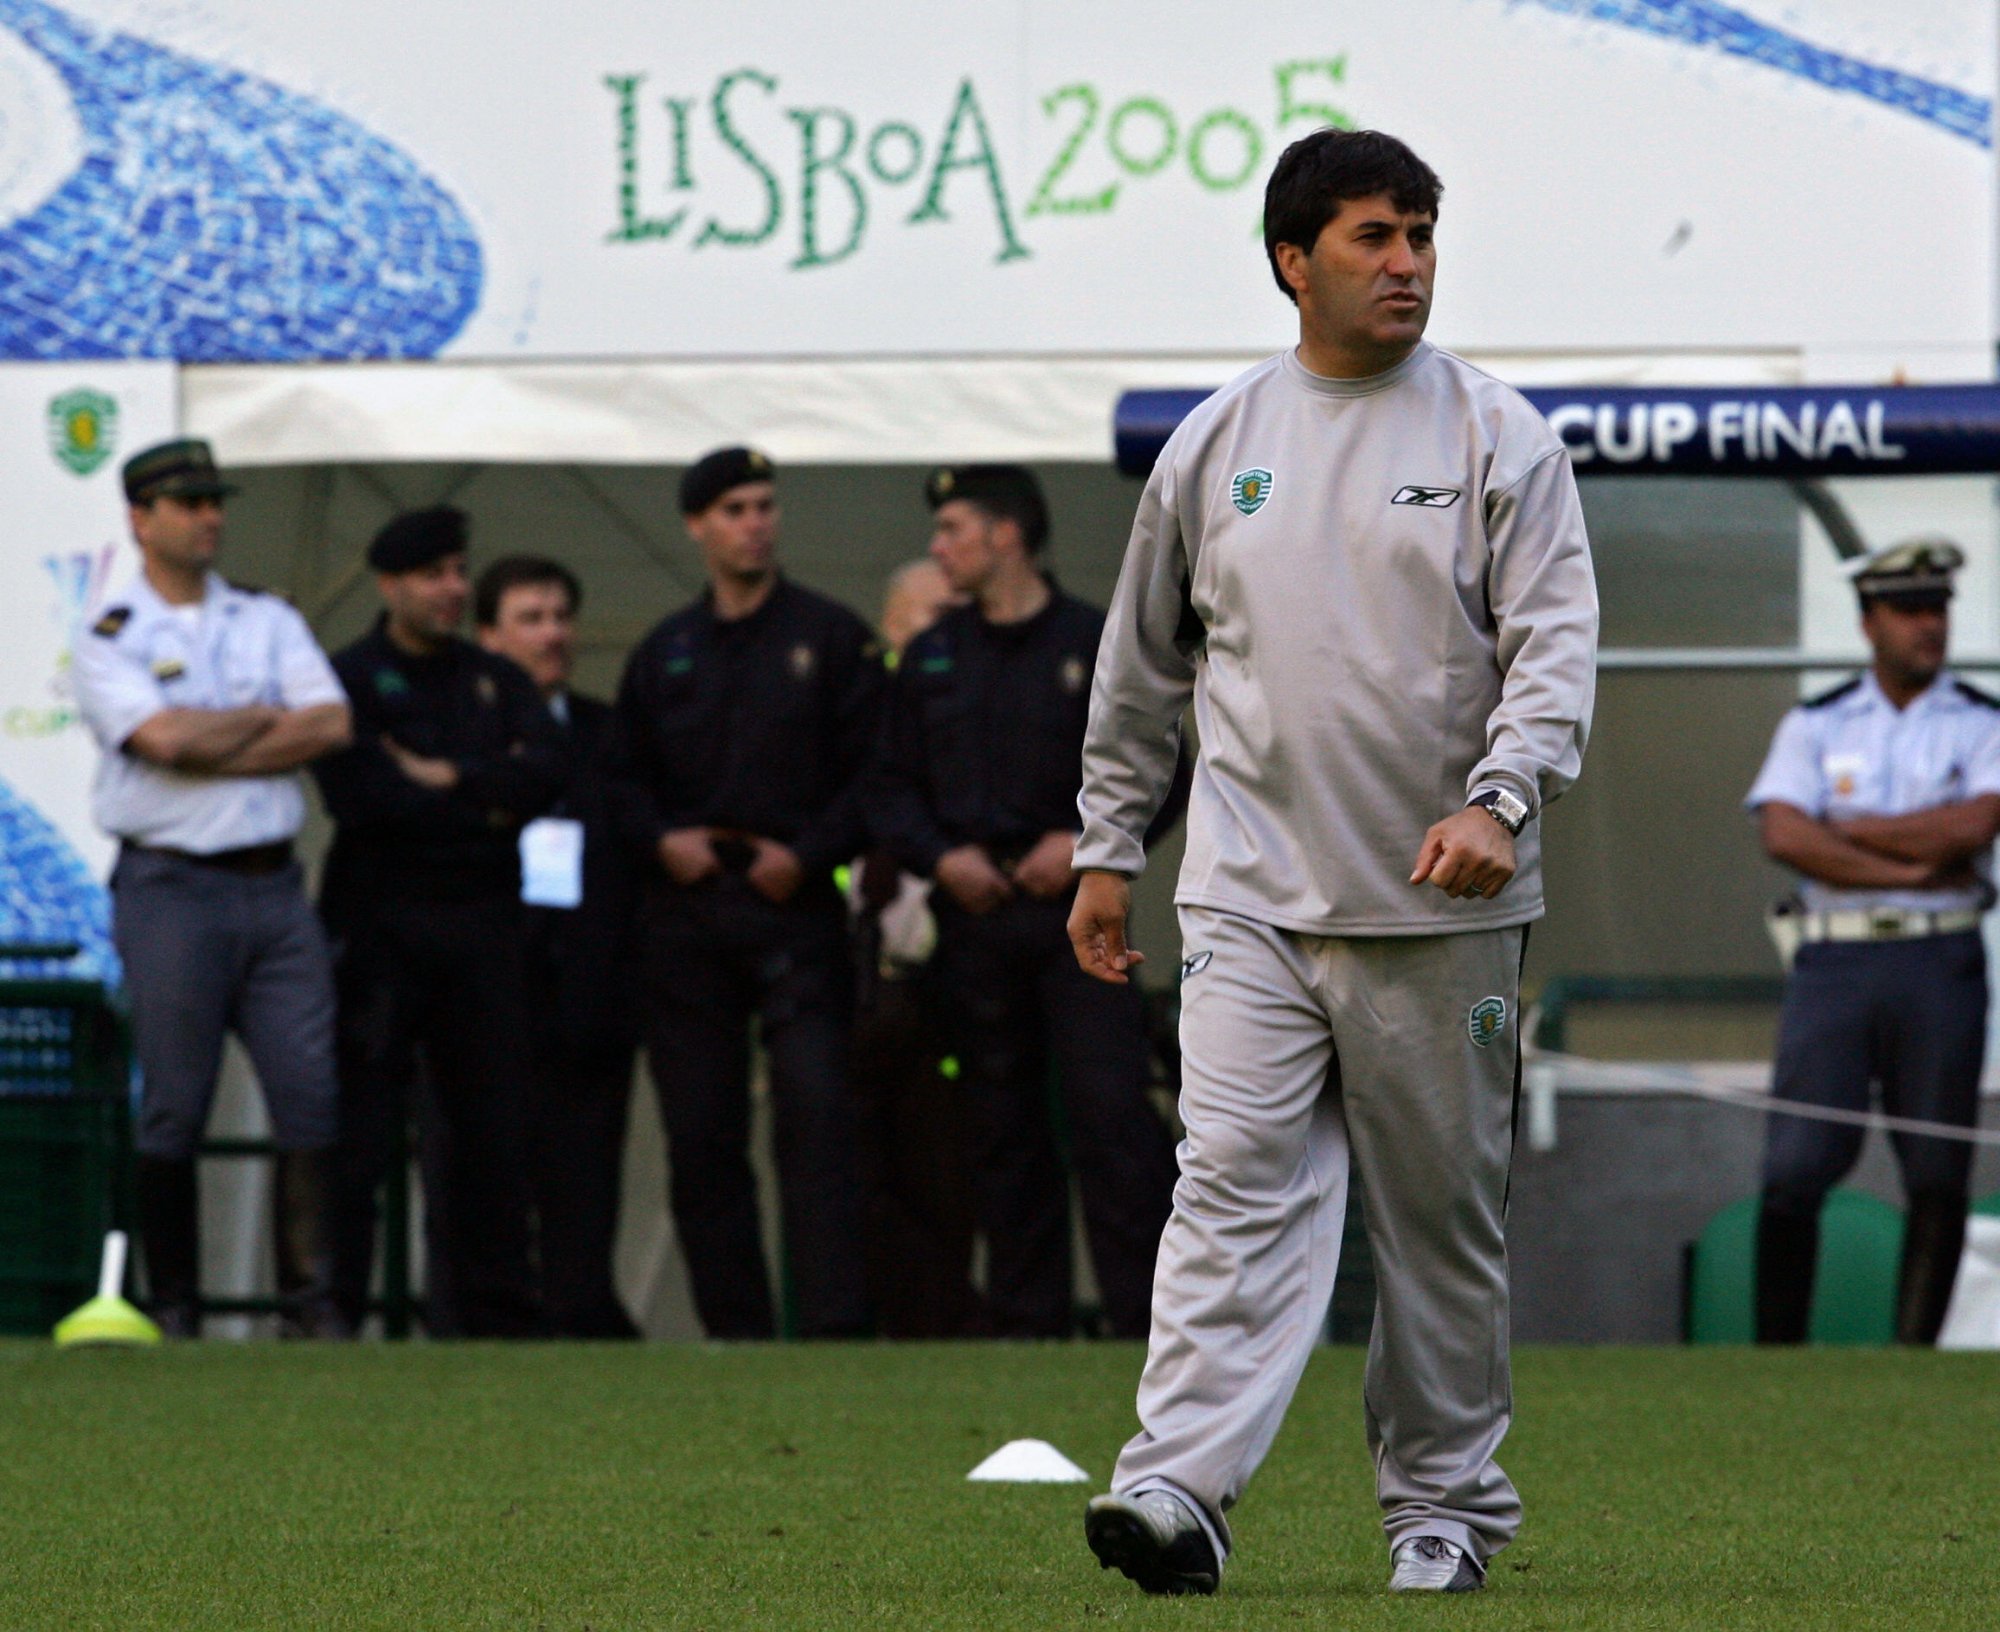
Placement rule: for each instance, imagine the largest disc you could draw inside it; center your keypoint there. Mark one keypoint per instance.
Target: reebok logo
(1431, 498)
(1190, 967)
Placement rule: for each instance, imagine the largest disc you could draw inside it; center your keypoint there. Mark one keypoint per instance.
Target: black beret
(182, 470)
(714, 474)
(417, 538)
(1004, 490)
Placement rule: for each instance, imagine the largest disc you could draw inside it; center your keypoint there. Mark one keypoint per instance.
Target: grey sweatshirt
(1379, 594)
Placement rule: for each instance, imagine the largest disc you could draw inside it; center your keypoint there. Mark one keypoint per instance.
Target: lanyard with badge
(552, 862)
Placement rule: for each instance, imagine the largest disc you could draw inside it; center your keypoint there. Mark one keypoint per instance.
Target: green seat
(1854, 1287)
(1987, 1206)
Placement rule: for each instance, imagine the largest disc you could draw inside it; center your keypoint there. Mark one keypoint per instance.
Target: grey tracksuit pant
(1303, 1055)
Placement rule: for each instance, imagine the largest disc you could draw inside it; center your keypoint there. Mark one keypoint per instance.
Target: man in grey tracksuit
(1365, 562)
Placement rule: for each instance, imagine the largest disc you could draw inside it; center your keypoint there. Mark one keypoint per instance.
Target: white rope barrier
(1743, 1084)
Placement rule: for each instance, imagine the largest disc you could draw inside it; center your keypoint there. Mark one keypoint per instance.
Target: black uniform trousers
(716, 956)
(1911, 1015)
(446, 978)
(919, 1212)
(582, 1089)
(1019, 1003)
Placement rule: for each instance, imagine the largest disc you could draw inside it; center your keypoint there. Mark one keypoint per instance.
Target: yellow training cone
(107, 1318)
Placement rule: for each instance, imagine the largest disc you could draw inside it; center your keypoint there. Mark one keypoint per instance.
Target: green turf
(414, 1487)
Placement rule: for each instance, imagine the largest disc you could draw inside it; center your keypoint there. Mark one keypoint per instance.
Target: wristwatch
(1503, 807)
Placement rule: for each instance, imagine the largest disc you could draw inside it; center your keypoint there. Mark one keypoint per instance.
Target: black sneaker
(1432, 1564)
(1155, 1540)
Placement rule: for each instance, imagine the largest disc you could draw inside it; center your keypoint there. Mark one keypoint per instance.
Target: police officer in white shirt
(206, 699)
(1885, 794)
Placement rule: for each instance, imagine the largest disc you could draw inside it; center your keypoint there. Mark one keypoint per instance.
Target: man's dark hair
(1319, 173)
(515, 572)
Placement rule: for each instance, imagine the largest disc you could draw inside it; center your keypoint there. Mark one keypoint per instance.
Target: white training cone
(1029, 1462)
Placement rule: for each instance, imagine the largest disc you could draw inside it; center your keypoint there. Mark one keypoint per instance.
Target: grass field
(561, 1488)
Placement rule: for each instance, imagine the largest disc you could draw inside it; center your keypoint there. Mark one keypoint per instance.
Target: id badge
(552, 862)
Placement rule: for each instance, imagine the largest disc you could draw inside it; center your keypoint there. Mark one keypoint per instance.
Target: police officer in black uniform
(453, 751)
(1884, 795)
(977, 788)
(739, 740)
(582, 1017)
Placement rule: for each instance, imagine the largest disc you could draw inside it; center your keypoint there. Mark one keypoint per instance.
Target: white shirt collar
(217, 592)
(1872, 694)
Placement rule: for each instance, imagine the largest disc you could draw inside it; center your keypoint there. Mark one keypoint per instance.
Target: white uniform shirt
(145, 656)
(1853, 753)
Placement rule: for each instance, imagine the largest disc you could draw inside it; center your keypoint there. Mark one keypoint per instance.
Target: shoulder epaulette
(1844, 689)
(260, 589)
(1973, 694)
(113, 620)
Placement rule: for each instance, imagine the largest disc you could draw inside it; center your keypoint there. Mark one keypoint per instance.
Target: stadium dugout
(1720, 515)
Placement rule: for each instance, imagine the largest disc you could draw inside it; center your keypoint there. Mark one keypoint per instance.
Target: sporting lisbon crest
(83, 429)
(1248, 489)
(1487, 1020)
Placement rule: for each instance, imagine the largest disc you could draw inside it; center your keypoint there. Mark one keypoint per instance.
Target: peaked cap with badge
(182, 469)
(1912, 575)
(714, 474)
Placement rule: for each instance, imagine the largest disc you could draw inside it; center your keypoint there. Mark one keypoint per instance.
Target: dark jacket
(983, 742)
(582, 956)
(762, 725)
(397, 839)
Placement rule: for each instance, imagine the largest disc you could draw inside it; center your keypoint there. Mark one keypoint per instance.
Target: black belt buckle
(1885, 926)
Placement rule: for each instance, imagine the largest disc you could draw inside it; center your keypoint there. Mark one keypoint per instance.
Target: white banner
(65, 548)
(266, 180)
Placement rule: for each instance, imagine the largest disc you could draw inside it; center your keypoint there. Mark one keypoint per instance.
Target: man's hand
(439, 775)
(688, 854)
(199, 741)
(297, 737)
(1046, 871)
(972, 880)
(1802, 842)
(1941, 836)
(1097, 927)
(1469, 854)
(776, 871)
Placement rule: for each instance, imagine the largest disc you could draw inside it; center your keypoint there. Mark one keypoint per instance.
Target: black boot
(305, 1265)
(1933, 1236)
(1787, 1253)
(170, 1232)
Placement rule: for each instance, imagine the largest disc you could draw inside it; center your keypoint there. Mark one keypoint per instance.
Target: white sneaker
(1432, 1564)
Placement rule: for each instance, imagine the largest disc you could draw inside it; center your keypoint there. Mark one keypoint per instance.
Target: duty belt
(1882, 924)
(254, 860)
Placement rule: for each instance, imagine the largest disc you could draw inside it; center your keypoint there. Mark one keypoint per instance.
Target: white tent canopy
(864, 411)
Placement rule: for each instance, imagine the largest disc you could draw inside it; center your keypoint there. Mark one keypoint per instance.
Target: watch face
(1505, 808)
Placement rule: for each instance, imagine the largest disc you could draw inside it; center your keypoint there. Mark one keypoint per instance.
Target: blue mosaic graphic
(48, 895)
(217, 217)
(1737, 34)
